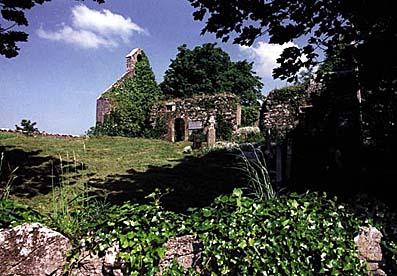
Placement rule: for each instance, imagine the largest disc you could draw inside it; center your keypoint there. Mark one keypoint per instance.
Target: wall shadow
(194, 182)
(335, 148)
(34, 174)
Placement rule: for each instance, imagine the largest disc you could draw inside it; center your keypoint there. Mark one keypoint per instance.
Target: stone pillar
(368, 244)
(211, 133)
(171, 130)
(186, 120)
(238, 115)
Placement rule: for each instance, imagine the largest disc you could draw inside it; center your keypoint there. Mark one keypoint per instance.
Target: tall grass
(5, 188)
(74, 212)
(253, 166)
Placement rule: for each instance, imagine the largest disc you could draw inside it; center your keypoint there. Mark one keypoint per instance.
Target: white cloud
(83, 38)
(265, 56)
(105, 23)
(94, 29)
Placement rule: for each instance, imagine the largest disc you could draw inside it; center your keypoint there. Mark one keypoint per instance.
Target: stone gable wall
(103, 105)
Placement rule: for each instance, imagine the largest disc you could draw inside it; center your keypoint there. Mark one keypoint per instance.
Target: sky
(77, 49)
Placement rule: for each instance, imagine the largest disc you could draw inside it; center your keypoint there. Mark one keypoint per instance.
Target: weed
(5, 188)
(253, 167)
(74, 212)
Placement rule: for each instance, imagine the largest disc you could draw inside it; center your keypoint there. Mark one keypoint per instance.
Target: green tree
(13, 11)
(27, 127)
(207, 69)
(362, 27)
(132, 102)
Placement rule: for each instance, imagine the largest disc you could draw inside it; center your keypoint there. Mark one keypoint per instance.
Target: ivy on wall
(131, 102)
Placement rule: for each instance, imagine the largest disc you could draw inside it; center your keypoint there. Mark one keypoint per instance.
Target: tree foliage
(362, 27)
(207, 69)
(132, 101)
(249, 116)
(27, 127)
(13, 11)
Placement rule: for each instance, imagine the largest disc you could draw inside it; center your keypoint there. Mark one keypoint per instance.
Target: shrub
(6, 135)
(248, 135)
(156, 130)
(27, 127)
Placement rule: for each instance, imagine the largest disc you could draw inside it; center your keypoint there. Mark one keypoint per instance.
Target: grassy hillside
(43, 162)
(114, 168)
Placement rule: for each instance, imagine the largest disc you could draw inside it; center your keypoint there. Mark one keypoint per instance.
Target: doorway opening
(179, 129)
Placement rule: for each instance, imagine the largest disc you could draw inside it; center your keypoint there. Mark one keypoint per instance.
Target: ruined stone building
(182, 117)
(281, 113)
(103, 105)
(314, 138)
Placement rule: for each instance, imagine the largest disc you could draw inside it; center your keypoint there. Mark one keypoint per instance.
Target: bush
(157, 130)
(27, 127)
(6, 135)
(248, 135)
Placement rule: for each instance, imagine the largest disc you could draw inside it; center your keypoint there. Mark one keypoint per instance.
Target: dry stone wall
(281, 112)
(42, 134)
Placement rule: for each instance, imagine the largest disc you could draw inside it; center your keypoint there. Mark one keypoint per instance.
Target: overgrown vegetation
(251, 231)
(309, 234)
(254, 169)
(5, 182)
(249, 115)
(223, 128)
(131, 102)
(13, 213)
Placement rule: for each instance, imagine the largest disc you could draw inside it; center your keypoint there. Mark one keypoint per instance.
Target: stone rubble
(32, 249)
(368, 244)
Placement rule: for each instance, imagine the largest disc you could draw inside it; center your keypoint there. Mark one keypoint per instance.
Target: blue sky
(77, 49)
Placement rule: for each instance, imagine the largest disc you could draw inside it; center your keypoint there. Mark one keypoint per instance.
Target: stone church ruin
(182, 117)
(103, 105)
(199, 114)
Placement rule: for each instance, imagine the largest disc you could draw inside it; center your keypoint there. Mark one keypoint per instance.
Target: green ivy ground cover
(306, 234)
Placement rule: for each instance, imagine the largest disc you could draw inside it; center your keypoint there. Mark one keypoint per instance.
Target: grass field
(114, 168)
